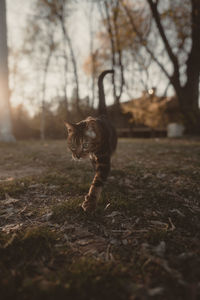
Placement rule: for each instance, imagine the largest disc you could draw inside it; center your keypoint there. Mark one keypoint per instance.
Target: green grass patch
(31, 244)
(14, 188)
(60, 212)
(35, 269)
(65, 182)
(96, 280)
(85, 279)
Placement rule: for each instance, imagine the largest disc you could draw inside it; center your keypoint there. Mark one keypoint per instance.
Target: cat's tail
(102, 103)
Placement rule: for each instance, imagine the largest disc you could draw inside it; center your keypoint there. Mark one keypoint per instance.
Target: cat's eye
(85, 145)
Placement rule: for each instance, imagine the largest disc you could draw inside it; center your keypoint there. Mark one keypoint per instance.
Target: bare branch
(111, 35)
(173, 58)
(60, 15)
(143, 42)
(118, 51)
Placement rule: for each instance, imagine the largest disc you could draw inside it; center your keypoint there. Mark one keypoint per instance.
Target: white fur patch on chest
(93, 157)
(91, 133)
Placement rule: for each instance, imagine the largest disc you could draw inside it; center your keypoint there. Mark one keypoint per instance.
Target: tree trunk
(92, 53)
(74, 63)
(43, 117)
(189, 93)
(112, 44)
(189, 97)
(188, 101)
(5, 115)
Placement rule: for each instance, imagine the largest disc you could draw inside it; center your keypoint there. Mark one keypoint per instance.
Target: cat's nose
(78, 156)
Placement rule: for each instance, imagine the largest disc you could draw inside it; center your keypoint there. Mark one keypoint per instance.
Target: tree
(111, 10)
(120, 47)
(181, 44)
(5, 116)
(50, 51)
(57, 11)
(187, 93)
(53, 15)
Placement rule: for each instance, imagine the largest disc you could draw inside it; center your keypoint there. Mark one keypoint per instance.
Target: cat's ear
(70, 127)
(90, 132)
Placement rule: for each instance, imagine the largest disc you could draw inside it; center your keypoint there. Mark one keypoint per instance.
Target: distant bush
(27, 127)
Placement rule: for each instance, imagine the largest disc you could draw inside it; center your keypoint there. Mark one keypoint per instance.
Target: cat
(95, 138)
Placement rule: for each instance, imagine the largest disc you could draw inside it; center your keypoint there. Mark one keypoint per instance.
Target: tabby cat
(94, 137)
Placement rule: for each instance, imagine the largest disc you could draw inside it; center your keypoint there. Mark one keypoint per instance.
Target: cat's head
(81, 139)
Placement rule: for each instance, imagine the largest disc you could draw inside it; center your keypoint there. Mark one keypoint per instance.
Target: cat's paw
(89, 204)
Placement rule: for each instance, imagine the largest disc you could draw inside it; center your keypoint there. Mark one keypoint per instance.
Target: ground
(141, 243)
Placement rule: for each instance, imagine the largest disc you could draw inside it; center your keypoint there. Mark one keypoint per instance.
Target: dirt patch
(9, 175)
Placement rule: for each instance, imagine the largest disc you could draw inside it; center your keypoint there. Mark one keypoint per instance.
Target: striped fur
(94, 138)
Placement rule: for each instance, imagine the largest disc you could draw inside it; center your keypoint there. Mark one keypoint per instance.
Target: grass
(142, 241)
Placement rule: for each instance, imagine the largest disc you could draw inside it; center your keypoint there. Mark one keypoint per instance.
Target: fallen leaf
(8, 200)
(160, 249)
(160, 175)
(113, 214)
(175, 210)
(161, 224)
(11, 227)
(155, 291)
(7, 212)
(173, 227)
(125, 242)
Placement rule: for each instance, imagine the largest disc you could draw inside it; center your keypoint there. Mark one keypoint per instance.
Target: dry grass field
(143, 241)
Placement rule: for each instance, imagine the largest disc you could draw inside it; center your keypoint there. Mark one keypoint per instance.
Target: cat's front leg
(102, 171)
(89, 204)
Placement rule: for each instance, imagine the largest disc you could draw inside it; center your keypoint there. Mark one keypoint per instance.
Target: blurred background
(52, 52)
